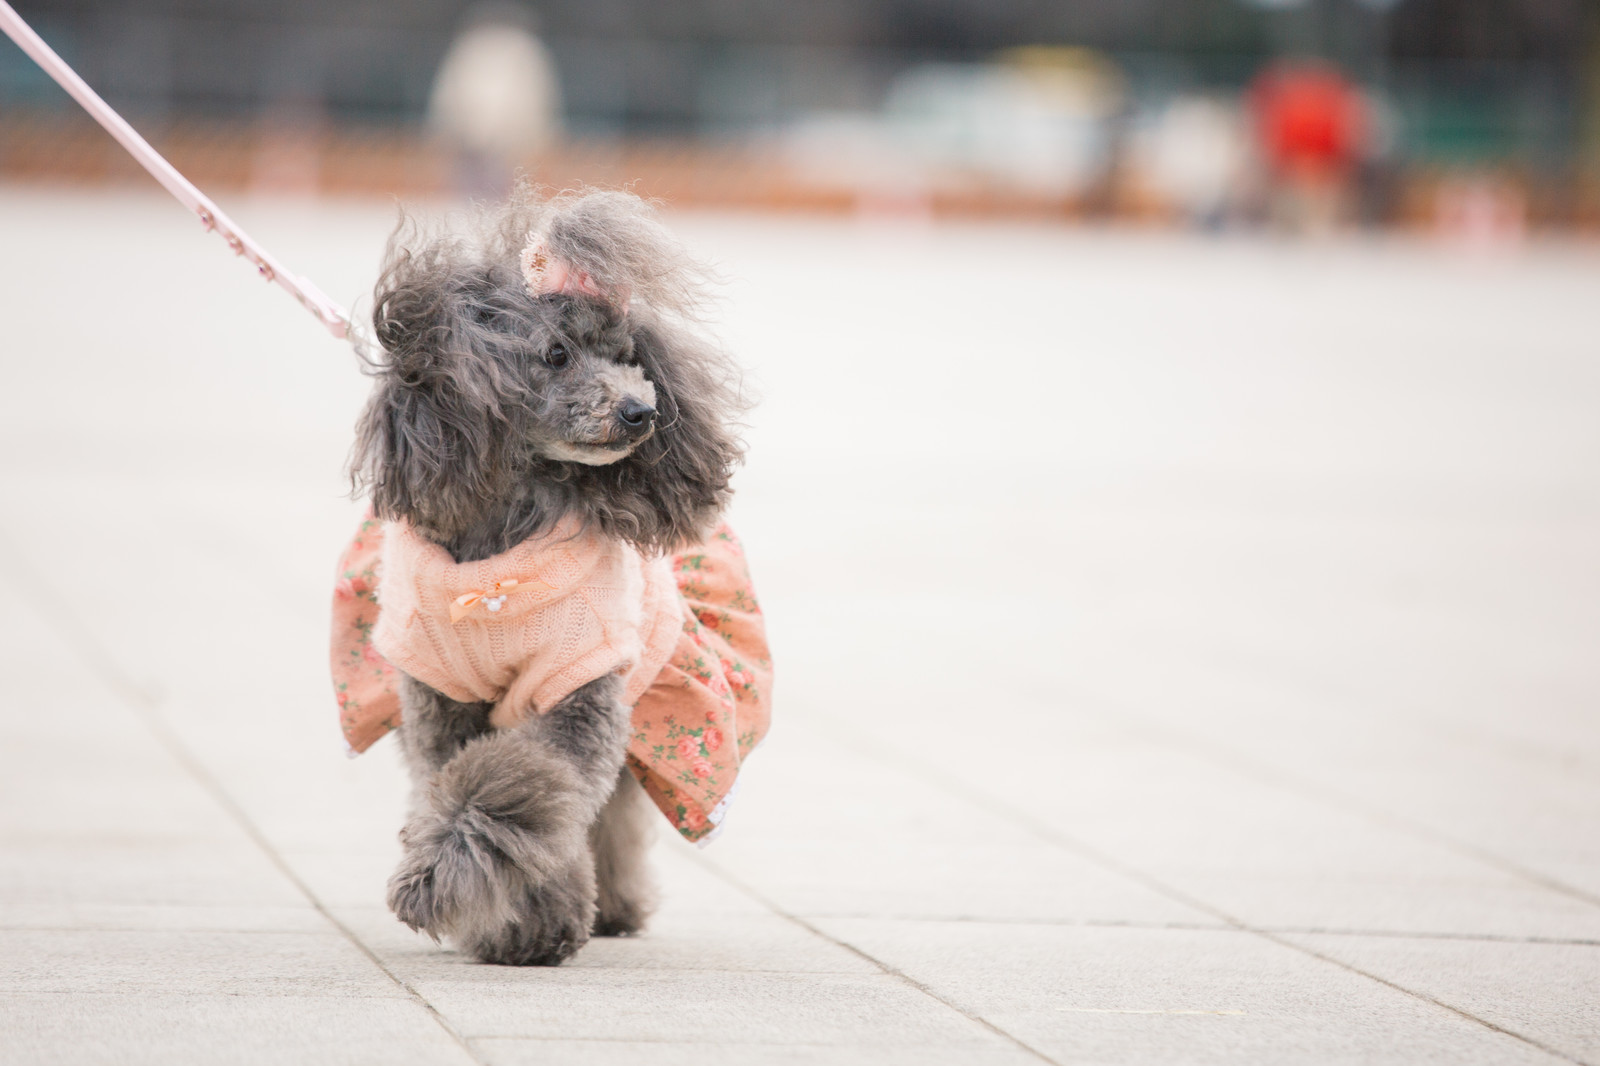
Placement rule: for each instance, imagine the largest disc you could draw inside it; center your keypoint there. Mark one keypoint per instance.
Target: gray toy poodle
(505, 411)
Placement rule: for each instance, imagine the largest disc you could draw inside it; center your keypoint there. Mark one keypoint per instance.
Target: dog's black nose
(636, 414)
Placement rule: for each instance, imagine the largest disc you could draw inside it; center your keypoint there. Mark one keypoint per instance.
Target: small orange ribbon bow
(493, 598)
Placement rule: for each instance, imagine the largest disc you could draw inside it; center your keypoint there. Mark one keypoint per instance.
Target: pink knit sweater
(535, 623)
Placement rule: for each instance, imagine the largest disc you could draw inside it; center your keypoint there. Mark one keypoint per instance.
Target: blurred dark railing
(332, 100)
(406, 163)
(403, 162)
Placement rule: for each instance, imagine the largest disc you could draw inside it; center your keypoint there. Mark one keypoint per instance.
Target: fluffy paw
(551, 923)
(413, 896)
(451, 875)
(620, 919)
(548, 941)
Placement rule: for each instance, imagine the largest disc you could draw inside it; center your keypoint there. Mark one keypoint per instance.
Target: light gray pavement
(1189, 651)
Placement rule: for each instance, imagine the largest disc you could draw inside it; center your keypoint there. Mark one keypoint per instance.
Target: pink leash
(211, 217)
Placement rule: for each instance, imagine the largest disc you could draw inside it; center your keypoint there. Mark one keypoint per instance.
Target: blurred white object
(496, 94)
(1481, 212)
(1040, 127)
(1193, 156)
(857, 151)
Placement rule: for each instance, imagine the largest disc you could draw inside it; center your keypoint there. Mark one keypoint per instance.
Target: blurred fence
(407, 162)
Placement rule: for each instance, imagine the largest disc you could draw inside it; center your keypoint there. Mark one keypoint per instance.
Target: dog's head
(501, 410)
(587, 398)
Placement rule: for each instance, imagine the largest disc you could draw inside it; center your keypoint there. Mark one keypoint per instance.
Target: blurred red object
(1310, 120)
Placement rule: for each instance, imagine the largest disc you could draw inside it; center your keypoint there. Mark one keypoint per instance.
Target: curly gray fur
(616, 238)
(456, 436)
(485, 393)
(498, 850)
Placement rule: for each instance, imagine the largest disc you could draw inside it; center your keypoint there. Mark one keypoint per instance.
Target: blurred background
(1474, 116)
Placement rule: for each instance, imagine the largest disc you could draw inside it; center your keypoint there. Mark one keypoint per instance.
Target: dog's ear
(681, 474)
(425, 445)
(402, 308)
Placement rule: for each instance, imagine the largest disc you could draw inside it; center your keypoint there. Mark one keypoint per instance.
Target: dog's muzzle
(635, 418)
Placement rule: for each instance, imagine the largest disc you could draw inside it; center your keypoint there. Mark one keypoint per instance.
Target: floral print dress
(692, 728)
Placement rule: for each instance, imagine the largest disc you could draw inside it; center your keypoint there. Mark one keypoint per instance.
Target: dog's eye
(556, 356)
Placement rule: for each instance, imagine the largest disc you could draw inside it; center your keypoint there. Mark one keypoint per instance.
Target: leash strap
(330, 314)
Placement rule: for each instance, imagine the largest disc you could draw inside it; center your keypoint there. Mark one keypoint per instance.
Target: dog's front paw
(414, 898)
(552, 922)
(446, 876)
(468, 872)
(614, 925)
(621, 917)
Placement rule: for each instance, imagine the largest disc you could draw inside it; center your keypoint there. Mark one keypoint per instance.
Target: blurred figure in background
(1311, 127)
(1038, 122)
(496, 100)
(1194, 157)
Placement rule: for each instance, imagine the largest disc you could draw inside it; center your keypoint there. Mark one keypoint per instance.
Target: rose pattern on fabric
(716, 686)
(363, 681)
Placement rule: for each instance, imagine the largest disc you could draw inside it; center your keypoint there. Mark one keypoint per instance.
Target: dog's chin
(589, 454)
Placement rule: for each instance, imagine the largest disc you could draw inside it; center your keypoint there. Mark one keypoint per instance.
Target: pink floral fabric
(694, 725)
(711, 704)
(363, 680)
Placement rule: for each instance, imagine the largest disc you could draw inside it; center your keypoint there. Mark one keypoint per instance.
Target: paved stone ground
(1187, 649)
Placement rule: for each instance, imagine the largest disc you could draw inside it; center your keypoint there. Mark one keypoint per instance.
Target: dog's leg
(498, 857)
(433, 727)
(620, 839)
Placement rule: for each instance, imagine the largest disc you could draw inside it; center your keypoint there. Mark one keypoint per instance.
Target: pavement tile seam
(938, 778)
(602, 1041)
(569, 970)
(887, 969)
(878, 1009)
(181, 993)
(1425, 997)
(1216, 927)
(964, 964)
(893, 1041)
(161, 1029)
(34, 590)
(1511, 983)
(1400, 934)
(1283, 941)
(1352, 804)
(197, 928)
(1169, 736)
(1117, 714)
